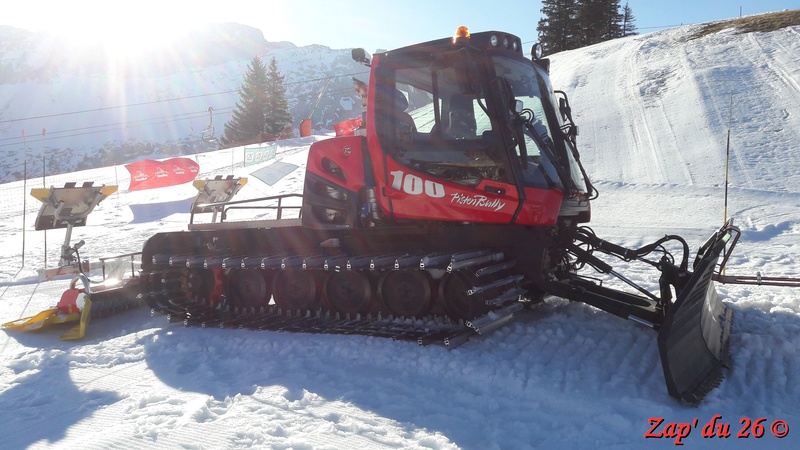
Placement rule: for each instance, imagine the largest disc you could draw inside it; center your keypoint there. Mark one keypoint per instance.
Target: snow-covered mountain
(85, 106)
(654, 112)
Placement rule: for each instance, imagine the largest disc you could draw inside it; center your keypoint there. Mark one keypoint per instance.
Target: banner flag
(348, 127)
(149, 174)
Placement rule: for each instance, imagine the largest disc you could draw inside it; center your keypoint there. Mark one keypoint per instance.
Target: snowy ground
(653, 112)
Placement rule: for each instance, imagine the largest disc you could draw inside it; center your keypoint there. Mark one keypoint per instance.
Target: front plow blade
(693, 340)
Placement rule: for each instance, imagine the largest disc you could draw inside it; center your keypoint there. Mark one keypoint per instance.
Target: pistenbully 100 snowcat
(460, 202)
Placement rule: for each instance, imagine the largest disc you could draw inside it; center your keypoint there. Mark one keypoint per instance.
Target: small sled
(75, 305)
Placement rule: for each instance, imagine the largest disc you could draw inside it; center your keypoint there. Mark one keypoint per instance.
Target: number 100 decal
(414, 185)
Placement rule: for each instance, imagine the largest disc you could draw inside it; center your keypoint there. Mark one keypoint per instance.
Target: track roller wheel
(248, 288)
(348, 292)
(406, 293)
(458, 304)
(204, 285)
(296, 290)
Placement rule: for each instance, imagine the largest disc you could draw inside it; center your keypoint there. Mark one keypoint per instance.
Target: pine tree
(277, 111)
(570, 24)
(599, 21)
(628, 21)
(614, 28)
(558, 27)
(248, 119)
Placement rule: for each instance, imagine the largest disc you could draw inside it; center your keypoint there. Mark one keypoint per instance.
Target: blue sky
(370, 24)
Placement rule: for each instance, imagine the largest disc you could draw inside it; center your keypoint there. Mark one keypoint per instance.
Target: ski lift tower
(305, 124)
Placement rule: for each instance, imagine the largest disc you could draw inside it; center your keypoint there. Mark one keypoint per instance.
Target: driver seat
(461, 118)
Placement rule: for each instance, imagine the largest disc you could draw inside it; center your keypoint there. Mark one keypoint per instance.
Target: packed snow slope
(653, 112)
(655, 108)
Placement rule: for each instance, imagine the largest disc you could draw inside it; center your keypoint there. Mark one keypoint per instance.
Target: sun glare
(124, 36)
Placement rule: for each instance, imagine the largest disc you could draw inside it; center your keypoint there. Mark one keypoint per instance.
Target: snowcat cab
(467, 131)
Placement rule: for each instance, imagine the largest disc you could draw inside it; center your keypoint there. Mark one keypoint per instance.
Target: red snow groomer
(461, 203)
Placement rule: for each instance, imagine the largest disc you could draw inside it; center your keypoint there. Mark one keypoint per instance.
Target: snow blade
(693, 340)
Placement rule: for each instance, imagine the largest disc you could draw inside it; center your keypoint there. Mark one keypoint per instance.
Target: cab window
(438, 129)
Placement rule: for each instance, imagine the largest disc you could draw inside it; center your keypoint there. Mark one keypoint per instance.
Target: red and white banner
(149, 174)
(348, 127)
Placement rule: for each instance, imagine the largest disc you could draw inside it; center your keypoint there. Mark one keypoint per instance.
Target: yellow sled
(75, 305)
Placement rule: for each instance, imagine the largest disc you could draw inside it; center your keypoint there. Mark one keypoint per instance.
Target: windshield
(539, 172)
(537, 97)
(435, 113)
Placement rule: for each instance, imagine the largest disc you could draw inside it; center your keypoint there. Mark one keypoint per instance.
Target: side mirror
(518, 106)
(569, 128)
(361, 56)
(564, 108)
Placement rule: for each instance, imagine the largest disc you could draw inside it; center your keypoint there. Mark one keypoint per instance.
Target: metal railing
(253, 204)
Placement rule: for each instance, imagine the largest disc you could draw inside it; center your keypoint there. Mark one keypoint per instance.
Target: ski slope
(653, 112)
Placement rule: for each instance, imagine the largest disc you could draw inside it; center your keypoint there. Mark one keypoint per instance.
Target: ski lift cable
(106, 108)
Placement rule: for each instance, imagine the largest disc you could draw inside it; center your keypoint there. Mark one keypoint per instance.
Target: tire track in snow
(774, 65)
(718, 105)
(659, 149)
(682, 162)
(768, 71)
(643, 136)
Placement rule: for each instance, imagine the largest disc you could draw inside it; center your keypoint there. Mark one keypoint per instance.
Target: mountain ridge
(89, 107)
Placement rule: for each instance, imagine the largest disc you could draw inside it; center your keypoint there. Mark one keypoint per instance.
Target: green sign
(260, 153)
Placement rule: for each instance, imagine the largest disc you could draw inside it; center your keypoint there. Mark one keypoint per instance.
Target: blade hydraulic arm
(644, 306)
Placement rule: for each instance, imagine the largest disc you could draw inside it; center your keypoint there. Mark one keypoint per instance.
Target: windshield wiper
(547, 147)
